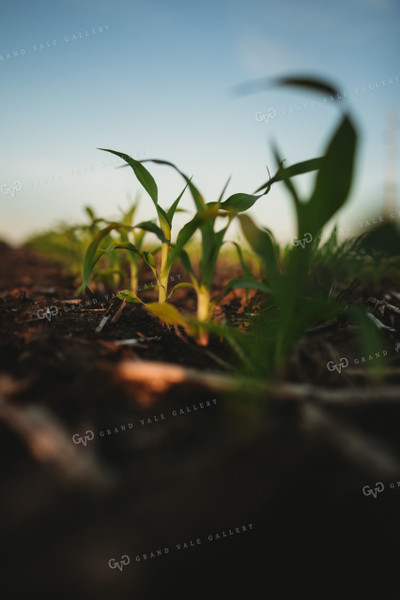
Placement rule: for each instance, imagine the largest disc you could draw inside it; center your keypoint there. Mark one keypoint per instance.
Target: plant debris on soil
(129, 440)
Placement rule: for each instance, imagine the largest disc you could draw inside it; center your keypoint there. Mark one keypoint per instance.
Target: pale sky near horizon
(156, 80)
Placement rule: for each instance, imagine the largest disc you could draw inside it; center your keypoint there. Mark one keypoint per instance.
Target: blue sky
(156, 79)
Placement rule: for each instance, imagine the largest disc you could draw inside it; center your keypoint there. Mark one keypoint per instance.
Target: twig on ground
(156, 377)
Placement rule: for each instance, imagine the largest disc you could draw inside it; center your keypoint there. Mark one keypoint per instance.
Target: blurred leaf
(93, 255)
(152, 227)
(240, 202)
(333, 180)
(180, 286)
(285, 178)
(151, 262)
(211, 246)
(262, 244)
(245, 282)
(300, 168)
(223, 190)
(170, 315)
(185, 260)
(245, 268)
(129, 297)
(384, 239)
(310, 83)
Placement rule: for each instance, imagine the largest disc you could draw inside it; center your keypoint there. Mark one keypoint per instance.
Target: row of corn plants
(292, 296)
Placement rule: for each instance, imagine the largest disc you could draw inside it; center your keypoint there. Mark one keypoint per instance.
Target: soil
(121, 486)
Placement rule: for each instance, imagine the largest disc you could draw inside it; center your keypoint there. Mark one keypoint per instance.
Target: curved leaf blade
(129, 297)
(170, 315)
(180, 286)
(306, 166)
(247, 283)
(239, 202)
(308, 82)
(172, 209)
(93, 255)
(197, 197)
(142, 174)
(334, 179)
(152, 228)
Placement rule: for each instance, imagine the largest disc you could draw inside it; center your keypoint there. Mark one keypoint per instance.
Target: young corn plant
(65, 243)
(135, 261)
(204, 221)
(164, 231)
(104, 244)
(295, 300)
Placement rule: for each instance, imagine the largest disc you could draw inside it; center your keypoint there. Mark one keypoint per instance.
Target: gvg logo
(307, 239)
(12, 190)
(367, 491)
(271, 114)
(78, 439)
(114, 564)
(342, 364)
(51, 311)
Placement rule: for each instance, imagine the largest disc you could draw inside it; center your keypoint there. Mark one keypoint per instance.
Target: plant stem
(162, 289)
(203, 314)
(134, 277)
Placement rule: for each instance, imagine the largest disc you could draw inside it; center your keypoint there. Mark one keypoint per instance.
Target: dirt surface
(116, 486)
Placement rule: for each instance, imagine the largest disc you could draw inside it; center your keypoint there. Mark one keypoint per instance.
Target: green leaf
(183, 237)
(149, 184)
(197, 197)
(151, 262)
(124, 246)
(152, 227)
(311, 83)
(262, 244)
(90, 213)
(106, 272)
(224, 190)
(284, 177)
(171, 211)
(127, 216)
(142, 174)
(333, 180)
(129, 297)
(164, 222)
(245, 268)
(93, 255)
(180, 286)
(212, 242)
(300, 168)
(171, 315)
(245, 282)
(239, 202)
(185, 260)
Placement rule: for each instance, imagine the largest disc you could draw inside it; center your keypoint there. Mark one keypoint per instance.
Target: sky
(156, 79)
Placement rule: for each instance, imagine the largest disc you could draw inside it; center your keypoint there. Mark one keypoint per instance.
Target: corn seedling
(164, 231)
(292, 299)
(295, 298)
(104, 244)
(211, 244)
